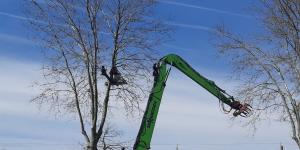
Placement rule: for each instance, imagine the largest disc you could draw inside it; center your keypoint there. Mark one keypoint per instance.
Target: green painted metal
(148, 123)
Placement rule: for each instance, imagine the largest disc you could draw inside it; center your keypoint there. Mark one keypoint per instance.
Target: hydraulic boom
(160, 77)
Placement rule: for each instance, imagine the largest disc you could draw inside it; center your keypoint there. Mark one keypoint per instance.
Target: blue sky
(189, 116)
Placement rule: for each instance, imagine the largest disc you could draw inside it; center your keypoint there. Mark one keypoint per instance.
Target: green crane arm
(161, 74)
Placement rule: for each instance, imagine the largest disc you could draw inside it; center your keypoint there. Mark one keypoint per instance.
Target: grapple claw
(242, 110)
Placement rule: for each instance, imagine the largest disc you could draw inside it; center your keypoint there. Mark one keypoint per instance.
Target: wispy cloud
(196, 27)
(205, 8)
(20, 17)
(16, 39)
(38, 21)
(14, 16)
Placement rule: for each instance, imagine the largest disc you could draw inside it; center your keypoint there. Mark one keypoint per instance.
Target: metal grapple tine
(242, 110)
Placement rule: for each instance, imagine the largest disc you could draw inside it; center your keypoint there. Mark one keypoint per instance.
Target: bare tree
(268, 64)
(111, 139)
(85, 38)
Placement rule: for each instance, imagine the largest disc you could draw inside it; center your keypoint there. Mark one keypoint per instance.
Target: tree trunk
(297, 140)
(92, 145)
